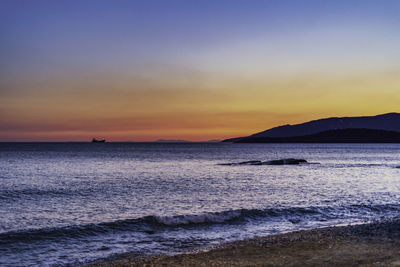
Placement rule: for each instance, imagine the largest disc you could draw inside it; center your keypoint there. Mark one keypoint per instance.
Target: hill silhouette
(332, 136)
(380, 128)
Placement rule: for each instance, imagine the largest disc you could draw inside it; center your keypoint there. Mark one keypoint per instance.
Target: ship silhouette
(94, 140)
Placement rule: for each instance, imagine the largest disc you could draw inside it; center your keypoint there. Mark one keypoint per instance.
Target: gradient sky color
(195, 70)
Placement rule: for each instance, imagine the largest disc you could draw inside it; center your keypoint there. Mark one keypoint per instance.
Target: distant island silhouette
(185, 141)
(171, 141)
(383, 128)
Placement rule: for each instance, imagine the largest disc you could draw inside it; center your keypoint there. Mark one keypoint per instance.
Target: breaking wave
(151, 224)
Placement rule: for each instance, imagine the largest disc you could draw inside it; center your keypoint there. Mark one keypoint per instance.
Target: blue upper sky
(109, 35)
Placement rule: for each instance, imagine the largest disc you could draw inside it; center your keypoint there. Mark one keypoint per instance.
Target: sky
(195, 70)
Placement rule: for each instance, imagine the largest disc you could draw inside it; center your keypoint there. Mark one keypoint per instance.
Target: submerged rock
(289, 161)
(251, 162)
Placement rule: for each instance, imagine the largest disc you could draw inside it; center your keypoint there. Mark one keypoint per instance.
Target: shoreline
(372, 244)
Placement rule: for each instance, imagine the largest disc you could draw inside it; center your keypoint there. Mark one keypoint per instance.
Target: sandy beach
(373, 244)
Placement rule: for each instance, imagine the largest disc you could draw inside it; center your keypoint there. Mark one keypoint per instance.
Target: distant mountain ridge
(171, 141)
(332, 136)
(385, 122)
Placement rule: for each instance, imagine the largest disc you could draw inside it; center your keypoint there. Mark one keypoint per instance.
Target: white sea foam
(217, 217)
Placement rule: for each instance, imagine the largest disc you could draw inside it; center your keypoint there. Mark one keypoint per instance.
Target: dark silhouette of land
(171, 141)
(332, 136)
(370, 129)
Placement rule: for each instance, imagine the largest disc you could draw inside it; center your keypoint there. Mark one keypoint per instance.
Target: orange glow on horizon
(193, 111)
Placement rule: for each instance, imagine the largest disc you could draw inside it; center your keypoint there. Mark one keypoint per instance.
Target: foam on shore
(376, 243)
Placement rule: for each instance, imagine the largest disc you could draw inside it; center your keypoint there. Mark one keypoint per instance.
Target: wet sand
(374, 244)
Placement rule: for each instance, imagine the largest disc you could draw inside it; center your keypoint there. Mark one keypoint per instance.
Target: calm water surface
(72, 203)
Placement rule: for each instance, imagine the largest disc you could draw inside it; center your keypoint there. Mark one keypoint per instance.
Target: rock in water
(285, 162)
(251, 162)
(289, 161)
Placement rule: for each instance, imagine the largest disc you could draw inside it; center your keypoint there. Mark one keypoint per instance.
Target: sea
(69, 204)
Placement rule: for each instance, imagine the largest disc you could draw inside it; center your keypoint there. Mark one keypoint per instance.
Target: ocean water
(74, 203)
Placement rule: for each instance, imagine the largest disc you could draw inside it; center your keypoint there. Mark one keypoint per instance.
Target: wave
(151, 224)
(32, 193)
(29, 192)
(216, 217)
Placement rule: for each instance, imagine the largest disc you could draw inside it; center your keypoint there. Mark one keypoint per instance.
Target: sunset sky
(195, 70)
